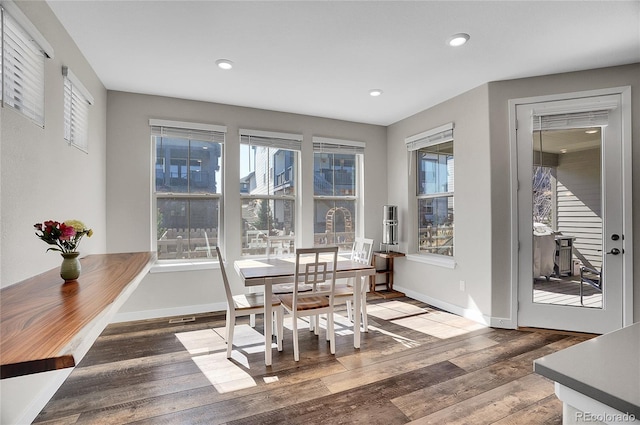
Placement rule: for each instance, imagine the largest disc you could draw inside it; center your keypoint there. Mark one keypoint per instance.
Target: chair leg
(296, 354)
(349, 312)
(331, 333)
(231, 323)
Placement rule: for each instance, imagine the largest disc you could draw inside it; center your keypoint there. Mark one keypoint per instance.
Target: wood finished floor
(416, 365)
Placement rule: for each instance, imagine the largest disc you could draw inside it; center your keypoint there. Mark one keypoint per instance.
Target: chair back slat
(227, 288)
(315, 267)
(362, 250)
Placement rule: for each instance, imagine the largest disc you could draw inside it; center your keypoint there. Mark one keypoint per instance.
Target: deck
(565, 291)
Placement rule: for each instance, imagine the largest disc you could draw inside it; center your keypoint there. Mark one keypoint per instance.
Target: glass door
(570, 215)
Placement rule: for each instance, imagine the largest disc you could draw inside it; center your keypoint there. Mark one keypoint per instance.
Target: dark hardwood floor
(416, 365)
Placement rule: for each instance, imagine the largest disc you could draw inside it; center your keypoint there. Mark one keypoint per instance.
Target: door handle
(614, 251)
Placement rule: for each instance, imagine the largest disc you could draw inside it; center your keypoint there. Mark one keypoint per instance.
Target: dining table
(278, 270)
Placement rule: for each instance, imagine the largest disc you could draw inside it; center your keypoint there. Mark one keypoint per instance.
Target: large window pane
(188, 192)
(436, 225)
(268, 226)
(267, 170)
(335, 222)
(435, 179)
(187, 228)
(334, 174)
(187, 166)
(435, 169)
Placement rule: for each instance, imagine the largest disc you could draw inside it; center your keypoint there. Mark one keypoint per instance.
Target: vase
(70, 268)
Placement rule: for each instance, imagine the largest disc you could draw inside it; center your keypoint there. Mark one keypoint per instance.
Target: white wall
(43, 178)
(472, 207)
(129, 185)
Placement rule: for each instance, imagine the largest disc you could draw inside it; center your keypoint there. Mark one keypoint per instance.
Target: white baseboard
(168, 312)
(470, 314)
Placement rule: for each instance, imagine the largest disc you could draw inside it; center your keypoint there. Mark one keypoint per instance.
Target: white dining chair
(246, 305)
(314, 267)
(361, 252)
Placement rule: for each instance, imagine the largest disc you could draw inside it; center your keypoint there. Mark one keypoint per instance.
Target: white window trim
(78, 84)
(153, 122)
(433, 259)
(32, 107)
(319, 143)
(434, 136)
(295, 145)
(76, 107)
(16, 13)
(185, 264)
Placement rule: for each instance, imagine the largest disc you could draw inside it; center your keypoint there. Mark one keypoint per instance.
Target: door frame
(627, 216)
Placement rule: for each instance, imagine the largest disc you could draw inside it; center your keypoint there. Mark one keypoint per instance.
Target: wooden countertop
(47, 324)
(605, 368)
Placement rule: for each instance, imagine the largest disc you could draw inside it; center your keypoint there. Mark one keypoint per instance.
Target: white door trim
(625, 93)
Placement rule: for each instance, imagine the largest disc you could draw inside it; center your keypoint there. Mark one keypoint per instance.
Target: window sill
(434, 260)
(182, 266)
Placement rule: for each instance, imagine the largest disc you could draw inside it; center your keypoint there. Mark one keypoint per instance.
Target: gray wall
(44, 178)
(482, 191)
(440, 285)
(129, 184)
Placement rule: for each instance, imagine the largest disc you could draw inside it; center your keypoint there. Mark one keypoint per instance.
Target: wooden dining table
(271, 271)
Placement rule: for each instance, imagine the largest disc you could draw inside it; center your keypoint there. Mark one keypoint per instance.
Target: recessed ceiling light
(375, 92)
(458, 39)
(224, 64)
(591, 131)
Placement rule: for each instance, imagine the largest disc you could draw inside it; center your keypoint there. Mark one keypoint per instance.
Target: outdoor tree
(264, 216)
(542, 195)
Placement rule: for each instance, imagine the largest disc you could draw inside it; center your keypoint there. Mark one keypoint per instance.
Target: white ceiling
(322, 57)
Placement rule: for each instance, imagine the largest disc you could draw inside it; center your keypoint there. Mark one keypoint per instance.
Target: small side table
(387, 258)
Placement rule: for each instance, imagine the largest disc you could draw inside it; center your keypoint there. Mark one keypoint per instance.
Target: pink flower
(66, 232)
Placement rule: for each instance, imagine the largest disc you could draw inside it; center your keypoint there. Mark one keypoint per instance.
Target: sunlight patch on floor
(203, 341)
(439, 324)
(224, 375)
(209, 351)
(393, 310)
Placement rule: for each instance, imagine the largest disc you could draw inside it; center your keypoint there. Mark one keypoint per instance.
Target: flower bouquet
(65, 238)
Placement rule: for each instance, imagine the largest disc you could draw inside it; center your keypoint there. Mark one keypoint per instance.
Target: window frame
(180, 130)
(436, 136)
(29, 42)
(322, 145)
(279, 141)
(77, 100)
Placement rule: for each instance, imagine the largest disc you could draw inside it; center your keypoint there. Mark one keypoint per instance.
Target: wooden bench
(47, 324)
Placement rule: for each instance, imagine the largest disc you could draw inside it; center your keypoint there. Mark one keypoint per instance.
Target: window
(336, 177)
(23, 54)
(268, 191)
(76, 111)
(434, 189)
(188, 189)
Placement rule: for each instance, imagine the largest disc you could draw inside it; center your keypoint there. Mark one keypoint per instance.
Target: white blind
(270, 139)
(76, 111)
(326, 145)
(431, 137)
(571, 120)
(188, 130)
(22, 70)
